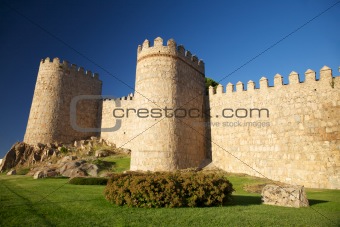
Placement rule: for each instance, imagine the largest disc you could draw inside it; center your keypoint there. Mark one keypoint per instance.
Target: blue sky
(225, 34)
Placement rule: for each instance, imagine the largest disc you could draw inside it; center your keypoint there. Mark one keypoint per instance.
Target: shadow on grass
(244, 200)
(315, 201)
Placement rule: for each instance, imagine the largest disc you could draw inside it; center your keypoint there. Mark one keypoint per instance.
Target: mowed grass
(53, 202)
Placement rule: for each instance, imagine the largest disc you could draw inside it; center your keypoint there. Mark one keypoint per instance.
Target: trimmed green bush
(88, 181)
(166, 189)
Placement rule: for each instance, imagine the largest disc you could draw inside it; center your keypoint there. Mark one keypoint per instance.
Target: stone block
(288, 196)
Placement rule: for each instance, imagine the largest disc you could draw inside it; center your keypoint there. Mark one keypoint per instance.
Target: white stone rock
(288, 196)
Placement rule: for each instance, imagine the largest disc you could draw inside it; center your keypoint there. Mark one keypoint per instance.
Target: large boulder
(288, 196)
(45, 172)
(90, 169)
(19, 153)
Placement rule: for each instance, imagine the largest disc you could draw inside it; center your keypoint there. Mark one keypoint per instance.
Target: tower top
(171, 49)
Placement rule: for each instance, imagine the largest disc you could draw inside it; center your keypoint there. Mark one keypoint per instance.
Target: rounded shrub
(166, 189)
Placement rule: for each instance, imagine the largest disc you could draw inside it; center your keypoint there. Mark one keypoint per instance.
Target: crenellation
(230, 88)
(66, 64)
(326, 74)
(171, 43)
(158, 42)
(250, 85)
(211, 90)
(170, 50)
(310, 76)
(219, 89)
(181, 50)
(188, 54)
(201, 65)
(139, 49)
(263, 83)
(194, 58)
(74, 68)
(278, 80)
(56, 61)
(294, 78)
(81, 70)
(146, 44)
(239, 86)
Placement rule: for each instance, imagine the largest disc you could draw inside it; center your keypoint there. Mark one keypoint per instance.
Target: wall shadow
(243, 200)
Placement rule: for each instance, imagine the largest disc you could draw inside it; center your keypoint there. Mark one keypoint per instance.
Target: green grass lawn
(53, 202)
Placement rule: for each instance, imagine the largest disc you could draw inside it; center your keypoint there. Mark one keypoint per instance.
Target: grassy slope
(22, 203)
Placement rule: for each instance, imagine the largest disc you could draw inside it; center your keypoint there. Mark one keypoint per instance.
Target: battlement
(128, 97)
(170, 49)
(326, 80)
(67, 67)
(122, 101)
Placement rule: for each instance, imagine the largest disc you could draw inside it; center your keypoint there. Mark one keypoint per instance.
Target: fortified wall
(124, 136)
(289, 133)
(286, 132)
(49, 119)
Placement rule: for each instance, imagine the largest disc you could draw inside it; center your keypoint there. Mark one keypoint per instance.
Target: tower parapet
(66, 67)
(170, 50)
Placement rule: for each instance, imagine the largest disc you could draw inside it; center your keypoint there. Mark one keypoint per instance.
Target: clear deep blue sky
(225, 34)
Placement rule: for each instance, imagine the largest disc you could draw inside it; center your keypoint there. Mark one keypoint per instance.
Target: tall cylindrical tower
(44, 114)
(169, 83)
(57, 84)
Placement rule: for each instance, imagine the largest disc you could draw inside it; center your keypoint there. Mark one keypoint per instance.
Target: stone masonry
(289, 133)
(57, 84)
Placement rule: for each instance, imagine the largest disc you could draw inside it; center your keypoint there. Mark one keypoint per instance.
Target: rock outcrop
(288, 196)
(18, 154)
(22, 154)
(68, 166)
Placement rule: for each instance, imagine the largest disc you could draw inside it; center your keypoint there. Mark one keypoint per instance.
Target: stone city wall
(296, 138)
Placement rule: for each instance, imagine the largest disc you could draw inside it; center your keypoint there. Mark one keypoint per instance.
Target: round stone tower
(44, 115)
(170, 87)
(49, 119)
